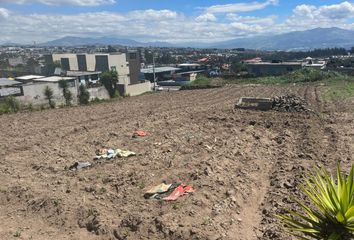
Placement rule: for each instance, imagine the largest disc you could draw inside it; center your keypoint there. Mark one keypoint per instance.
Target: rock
(230, 193)
(290, 103)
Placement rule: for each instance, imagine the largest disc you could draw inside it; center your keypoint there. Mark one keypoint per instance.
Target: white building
(100, 62)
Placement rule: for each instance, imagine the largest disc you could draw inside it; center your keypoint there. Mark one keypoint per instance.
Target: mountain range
(298, 40)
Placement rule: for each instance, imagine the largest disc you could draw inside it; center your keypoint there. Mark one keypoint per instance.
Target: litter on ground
(79, 165)
(139, 134)
(168, 192)
(112, 153)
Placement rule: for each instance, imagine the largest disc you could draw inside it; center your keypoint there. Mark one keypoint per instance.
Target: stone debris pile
(290, 103)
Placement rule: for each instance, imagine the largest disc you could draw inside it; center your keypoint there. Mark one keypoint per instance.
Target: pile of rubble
(290, 103)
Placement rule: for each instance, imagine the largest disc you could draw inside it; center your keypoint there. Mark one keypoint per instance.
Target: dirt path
(243, 164)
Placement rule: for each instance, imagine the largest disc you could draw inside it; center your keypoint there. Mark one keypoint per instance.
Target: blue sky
(167, 20)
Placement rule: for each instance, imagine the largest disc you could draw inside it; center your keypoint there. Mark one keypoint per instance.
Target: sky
(26, 21)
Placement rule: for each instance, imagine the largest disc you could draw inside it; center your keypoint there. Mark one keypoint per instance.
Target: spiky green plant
(331, 214)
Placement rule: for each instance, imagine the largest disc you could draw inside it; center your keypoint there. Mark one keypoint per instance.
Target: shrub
(117, 94)
(68, 96)
(48, 93)
(96, 100)
(84, 95)
(332, 214)
(9, 105)
(12, 103)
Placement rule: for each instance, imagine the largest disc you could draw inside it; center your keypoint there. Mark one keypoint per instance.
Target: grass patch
(305, 75)
(202, 82)
(339, 90)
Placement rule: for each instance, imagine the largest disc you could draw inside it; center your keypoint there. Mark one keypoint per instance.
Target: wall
(119, 61)
(137, 89)
(271, 69)
(72, 60)
(99, 92)
(90, 62)
(34, 93)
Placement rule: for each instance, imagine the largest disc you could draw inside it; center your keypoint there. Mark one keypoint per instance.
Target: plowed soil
(243, 164)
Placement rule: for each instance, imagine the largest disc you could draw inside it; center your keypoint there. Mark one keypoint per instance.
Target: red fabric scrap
(179, 191)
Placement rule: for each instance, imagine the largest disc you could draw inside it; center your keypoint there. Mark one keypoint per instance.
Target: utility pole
(153, 69)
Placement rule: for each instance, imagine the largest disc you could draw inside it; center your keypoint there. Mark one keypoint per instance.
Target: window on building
(132, 56)
(101, 63)
(71, 84)
(65, 65)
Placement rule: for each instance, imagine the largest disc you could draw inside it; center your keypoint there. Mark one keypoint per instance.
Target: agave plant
(331, 214)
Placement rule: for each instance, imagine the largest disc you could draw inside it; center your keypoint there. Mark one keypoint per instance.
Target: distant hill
(82, 41)
(299, 40)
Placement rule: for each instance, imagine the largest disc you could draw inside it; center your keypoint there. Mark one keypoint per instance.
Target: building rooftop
(275, 64)
(159, 69)
(7, 82)
(189, 65)
(29, 77)
(80, 73)
(53, 79)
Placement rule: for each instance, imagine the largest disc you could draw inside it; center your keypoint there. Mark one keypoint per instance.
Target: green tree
(68, 96)
(111, 49)
(48, 93)
(110, 81)
(84, 95)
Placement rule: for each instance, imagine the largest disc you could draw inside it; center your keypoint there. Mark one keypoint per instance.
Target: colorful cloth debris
(168, 192)
(178, 192)
(124, 153)
(159, 189)
(112, 153)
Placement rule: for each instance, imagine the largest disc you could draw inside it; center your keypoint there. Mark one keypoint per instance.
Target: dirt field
(243, 165)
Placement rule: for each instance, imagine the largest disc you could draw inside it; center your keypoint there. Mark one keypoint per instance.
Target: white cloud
(305, 10)
(269, 20)
(151, 14)
(63, 2)
(240, 7)
(167, 25)
(337, 11)
(207, 17)
(4, 13)
(343, 10)
(335, 15)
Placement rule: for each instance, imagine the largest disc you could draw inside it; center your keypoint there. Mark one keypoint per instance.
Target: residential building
(33, 92)
(314, 63)
(28, 78)
(268, 68)
(133, 58)
(90, 79)
(100, 62)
